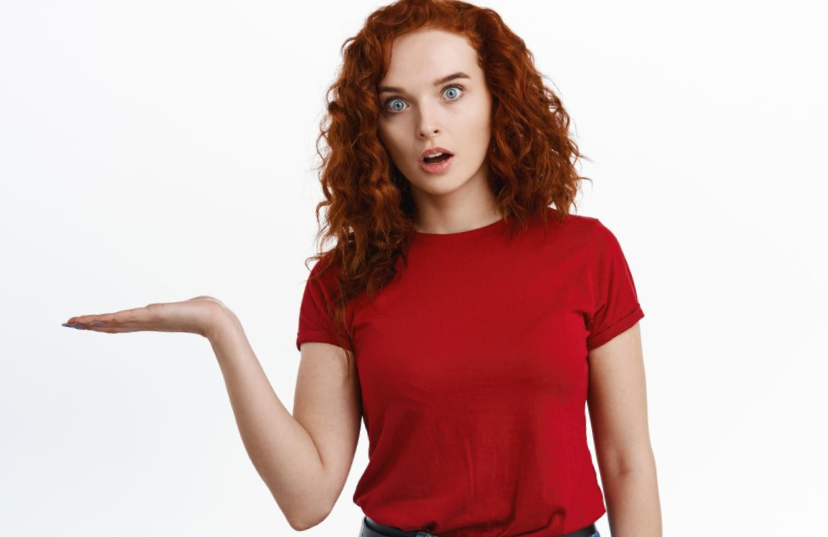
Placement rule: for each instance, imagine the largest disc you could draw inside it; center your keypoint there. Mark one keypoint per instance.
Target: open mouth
(437, 163)
(437, 158)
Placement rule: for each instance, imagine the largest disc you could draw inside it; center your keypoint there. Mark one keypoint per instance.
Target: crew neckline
(484, 231)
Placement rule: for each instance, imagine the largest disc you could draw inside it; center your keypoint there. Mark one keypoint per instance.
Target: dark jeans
(390, 531)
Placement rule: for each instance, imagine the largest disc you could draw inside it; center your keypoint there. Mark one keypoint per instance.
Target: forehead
(424, 55)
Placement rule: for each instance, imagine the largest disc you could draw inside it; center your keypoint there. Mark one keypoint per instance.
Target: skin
(423, 116)
(452, 202)
(199, 315)
(617, 404)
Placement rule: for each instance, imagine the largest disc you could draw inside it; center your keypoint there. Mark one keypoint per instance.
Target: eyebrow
(389, 89)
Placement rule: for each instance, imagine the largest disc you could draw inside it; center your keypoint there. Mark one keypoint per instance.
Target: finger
(83, 319)
(111, 319)
(86, 319)
(91, 324)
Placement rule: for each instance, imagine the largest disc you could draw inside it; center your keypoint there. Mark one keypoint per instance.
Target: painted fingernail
(97, 323)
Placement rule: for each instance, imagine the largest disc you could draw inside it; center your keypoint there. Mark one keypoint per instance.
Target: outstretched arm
(281, 447)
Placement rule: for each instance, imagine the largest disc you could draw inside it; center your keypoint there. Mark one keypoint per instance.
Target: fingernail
(97, 323)
(74, 325)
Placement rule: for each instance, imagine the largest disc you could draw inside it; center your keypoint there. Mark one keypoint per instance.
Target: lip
(440, 167)
(433, 150)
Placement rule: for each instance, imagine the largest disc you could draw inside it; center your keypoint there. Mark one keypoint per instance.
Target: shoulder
(324, 264)
(586, 238)
(323, 275)
(579, 227)
(593, 229)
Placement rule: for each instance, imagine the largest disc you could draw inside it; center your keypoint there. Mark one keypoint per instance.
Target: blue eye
(395, 109)
(455, 87)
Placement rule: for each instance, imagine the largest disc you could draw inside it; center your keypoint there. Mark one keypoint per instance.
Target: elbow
(620, 462)
(299, 525)
(307, 521)
(307, 506)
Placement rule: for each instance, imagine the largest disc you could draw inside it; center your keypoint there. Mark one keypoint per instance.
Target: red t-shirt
(473, 368)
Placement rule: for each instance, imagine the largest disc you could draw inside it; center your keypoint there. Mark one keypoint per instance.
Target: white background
(155, 151)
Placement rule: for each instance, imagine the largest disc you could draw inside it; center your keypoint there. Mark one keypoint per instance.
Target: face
(427, 107)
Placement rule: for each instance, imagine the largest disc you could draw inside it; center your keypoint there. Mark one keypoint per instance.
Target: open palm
(196, 315)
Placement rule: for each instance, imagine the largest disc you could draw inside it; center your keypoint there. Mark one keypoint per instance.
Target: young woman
(461, 316)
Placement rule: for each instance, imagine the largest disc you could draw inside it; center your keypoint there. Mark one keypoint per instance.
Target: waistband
(372, 529)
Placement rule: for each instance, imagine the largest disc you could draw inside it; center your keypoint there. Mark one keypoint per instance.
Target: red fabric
(473, 369)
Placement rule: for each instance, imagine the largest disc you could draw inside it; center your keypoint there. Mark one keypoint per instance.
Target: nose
(428, 132)
(427, 127)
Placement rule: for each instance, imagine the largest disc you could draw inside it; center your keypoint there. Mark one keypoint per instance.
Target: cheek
(482, 131)
(384, 140)
(479, 120)
(389, 140)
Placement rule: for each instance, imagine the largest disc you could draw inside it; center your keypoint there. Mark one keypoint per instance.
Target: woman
(480, 320)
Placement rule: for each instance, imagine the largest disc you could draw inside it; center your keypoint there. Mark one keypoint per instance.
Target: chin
(441, 184)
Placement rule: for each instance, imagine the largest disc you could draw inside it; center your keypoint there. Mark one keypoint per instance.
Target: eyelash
(388, 100)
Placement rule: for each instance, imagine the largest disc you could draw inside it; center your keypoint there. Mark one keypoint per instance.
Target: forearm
(633, 506)
(280, 448)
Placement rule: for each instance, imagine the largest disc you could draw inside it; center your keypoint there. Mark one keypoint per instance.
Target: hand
(198, 315)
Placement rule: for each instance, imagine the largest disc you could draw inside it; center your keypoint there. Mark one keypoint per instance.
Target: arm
(303, 459)
(617, 403)
(281, 449)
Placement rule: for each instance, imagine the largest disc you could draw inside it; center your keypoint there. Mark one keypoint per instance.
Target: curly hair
(370, 210)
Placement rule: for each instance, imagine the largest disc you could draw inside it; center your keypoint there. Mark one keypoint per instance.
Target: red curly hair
(370, 210)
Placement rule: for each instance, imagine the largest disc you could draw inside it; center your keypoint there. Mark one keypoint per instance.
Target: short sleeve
(615, 300)
(316, 312)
